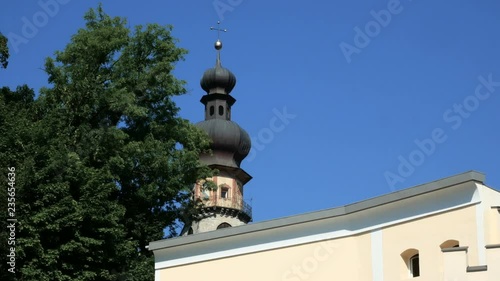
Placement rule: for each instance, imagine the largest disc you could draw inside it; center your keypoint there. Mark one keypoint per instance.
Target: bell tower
(224, 206)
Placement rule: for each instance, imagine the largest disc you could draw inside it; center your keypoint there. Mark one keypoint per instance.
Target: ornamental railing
(231, 203)
(247, 208)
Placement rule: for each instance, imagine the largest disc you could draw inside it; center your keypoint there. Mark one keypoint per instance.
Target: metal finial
(218, 43)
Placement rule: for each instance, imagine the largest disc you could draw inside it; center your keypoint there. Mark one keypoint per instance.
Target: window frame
(451, 243)
(224, 225)
(408, 257)
(411, 265)
(224, 190)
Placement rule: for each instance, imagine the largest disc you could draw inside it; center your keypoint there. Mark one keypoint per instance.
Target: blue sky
(344, 100)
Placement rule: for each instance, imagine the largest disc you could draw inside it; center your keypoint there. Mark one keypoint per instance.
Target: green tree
(4, 51)
(110, 164)
(16, 125)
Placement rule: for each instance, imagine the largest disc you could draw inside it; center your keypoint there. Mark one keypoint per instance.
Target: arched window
(449, 244)
(212, 110)
(411, 260)
(221, 110)
(223, 225)
(414, 266)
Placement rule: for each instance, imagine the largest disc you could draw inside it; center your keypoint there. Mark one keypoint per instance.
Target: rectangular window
(415, 266)
(224, 192)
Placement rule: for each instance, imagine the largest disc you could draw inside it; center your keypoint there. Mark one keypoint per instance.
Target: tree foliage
(16, 124)
(4, 51)
(105, 163)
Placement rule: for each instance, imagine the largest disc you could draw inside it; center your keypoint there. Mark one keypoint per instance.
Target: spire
(218, 43)
(218, 80)
(230, 144)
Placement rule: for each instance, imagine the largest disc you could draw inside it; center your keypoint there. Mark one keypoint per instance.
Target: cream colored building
(444, 230)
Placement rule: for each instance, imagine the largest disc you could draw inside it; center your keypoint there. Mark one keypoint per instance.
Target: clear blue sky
(360, 92)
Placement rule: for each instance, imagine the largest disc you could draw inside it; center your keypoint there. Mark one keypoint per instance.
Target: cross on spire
(218, 30)
(218, 43)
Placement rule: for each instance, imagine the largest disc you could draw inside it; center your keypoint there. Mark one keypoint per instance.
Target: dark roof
(230, 143)
(218, 77)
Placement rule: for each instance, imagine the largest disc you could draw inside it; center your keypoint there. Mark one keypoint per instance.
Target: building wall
(211, 223)
(231, 183)
(374, 255)
(210, 198)
(491, 199)
(426, 235)
(365, 244)
(310, 261)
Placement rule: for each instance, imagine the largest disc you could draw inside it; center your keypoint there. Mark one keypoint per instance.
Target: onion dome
(218, 79)
(230, 143)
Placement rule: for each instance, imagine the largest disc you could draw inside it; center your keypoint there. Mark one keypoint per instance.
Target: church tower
(223, 207)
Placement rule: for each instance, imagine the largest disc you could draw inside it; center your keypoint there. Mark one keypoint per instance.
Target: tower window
(205, 193)
(414, 266)
(223, 225)
(224, 192)
(221, 110)
(212, 110)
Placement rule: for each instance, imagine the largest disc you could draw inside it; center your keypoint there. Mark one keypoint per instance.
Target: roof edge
(416, 190)
(322, 214)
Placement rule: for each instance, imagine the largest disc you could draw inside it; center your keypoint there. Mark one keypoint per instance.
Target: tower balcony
(233, 206)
